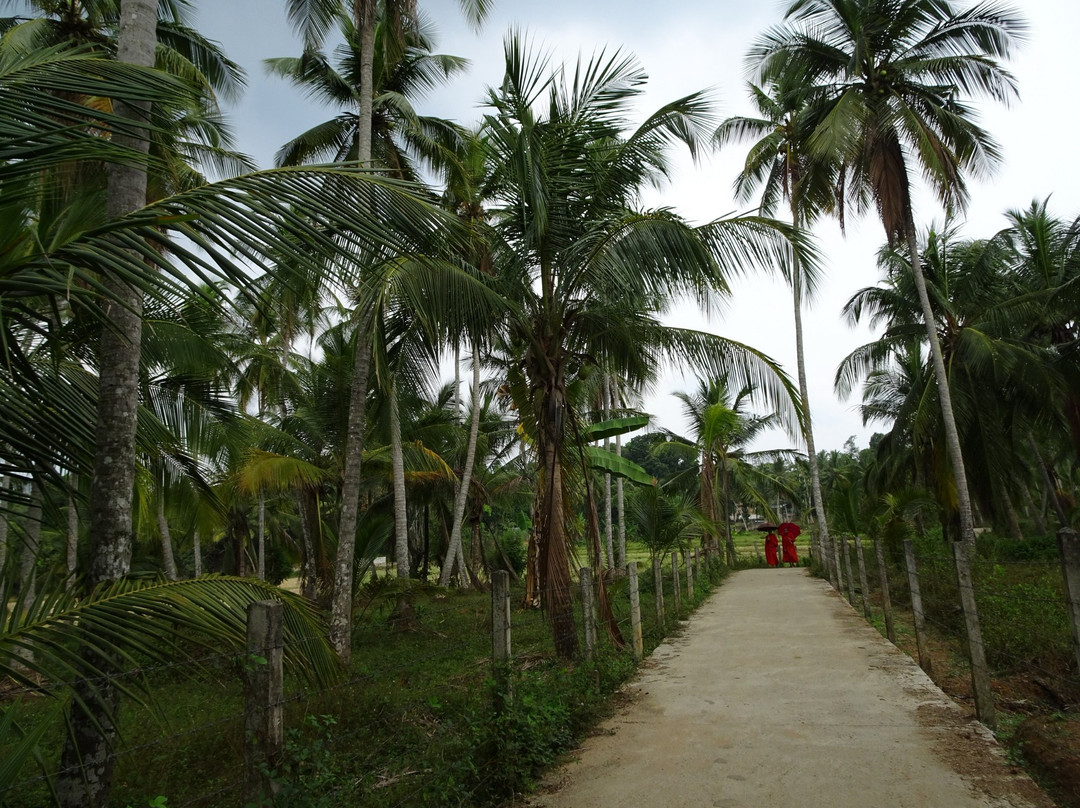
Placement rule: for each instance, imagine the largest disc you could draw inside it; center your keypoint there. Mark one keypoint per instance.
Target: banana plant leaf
(613, 427)
(600, 459)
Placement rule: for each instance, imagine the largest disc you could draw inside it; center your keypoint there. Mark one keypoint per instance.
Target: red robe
(790, 556)
(770, 550)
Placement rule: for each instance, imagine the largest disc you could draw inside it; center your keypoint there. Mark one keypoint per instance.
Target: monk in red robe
(770, 550)
(790, 556)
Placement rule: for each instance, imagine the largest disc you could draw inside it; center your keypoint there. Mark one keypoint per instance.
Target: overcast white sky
(685, 46)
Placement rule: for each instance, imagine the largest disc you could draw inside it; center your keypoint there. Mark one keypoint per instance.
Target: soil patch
(1051, 747)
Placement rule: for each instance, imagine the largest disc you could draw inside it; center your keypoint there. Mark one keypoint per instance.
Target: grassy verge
(417, 721)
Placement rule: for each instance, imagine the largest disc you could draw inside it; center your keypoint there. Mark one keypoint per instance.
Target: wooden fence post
(658, 586)
(635, 611)
(1069, 547)
(980, 671)
(675, 582)
(863, 580)
(847, 572)
(263, 693)
(886, 598)
(917, 607)
(690, 594)
(837, 567)
(588, 607)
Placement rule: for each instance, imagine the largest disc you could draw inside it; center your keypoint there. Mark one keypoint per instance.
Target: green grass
(413, 724)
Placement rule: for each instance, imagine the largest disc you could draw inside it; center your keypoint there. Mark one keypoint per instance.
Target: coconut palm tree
(886, 79)
(722, 430)
(315, 20)
(588, 274)
(781, 165)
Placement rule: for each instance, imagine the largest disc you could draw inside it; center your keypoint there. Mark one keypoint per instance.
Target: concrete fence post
(1069, 547)
(886, 598)
(837, 567)
(917, 612)
(863, 581)
(264, 725)
(658, 586)
(635, 611)
(690, 594)
(675, 582)
(588, 607)
(847, 571)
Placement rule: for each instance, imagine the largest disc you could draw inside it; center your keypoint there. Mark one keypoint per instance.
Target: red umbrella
(789, 530)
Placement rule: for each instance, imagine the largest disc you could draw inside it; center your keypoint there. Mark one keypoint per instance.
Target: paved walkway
(778, 694)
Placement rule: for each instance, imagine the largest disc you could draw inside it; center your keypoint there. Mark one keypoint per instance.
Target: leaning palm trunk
(948, 419)
(454, 550)
(397, 467)
(87, 760)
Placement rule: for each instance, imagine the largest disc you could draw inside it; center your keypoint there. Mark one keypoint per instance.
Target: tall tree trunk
(71, 557)
(1034, 512)
(168, 560)
(3, 525)
(308, 575)
(31, 547)
(461, 497)
(397, 467)
(260, 541)
(341, 605)
(609, 541)
(620, 501)
(948, 419)
(1011, 517)
(553, 562)
(808, 427)
(87, 760)
(1049, 486)
(196, 549)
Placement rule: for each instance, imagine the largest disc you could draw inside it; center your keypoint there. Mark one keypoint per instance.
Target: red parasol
(789, 530)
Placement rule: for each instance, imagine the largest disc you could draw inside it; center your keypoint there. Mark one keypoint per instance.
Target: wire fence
(1024, 614)
(417, 720)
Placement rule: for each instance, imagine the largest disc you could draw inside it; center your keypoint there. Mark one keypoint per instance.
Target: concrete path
(778, 694)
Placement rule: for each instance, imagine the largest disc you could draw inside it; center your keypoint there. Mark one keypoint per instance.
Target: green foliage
(1023, 614)
(307, 776)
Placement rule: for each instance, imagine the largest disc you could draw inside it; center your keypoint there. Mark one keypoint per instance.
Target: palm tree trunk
(454, 548)
(3, 526)
(72, 554)
(620, 498)
(31, 547)
(397, 466)
(808, 433)
(553, 561)
(364, 16)
(948, 419)
(260, 541)
(609, 545)
(341, 605)
(87, 760)
(196, 549)
(308, 575)
(1048, 482)
(168, 560)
